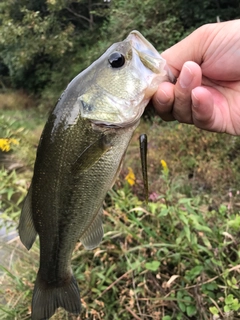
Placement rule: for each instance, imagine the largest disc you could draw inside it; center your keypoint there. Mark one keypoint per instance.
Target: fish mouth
(149, 56)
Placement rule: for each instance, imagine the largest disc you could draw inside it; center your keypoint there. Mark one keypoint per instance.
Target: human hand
(207, 92)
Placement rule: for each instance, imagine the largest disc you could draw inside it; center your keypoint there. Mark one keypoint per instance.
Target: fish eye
(116, 60)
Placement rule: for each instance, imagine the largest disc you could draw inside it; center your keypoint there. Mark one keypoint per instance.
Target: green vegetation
(176, 257)
(45, 43)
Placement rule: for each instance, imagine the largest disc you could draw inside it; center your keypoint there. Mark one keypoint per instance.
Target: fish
(78, 159)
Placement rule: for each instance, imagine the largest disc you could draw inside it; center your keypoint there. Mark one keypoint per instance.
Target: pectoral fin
(93, 235)
(91, 154)
(26, 227)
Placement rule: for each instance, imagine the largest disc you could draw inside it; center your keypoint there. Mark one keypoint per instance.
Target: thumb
(205, 113)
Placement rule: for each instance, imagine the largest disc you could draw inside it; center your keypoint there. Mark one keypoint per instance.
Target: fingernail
(186, 77)
(162, 97)
(195, 99)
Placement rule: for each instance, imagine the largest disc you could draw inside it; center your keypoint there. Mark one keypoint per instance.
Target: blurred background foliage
(45, 43)
(177, 257)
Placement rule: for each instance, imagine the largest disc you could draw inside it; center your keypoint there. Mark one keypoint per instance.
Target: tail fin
(47, 299)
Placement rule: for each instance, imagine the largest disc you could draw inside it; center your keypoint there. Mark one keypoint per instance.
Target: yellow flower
(130, 177)
(164, 166)
(5, 144)
(14, 141)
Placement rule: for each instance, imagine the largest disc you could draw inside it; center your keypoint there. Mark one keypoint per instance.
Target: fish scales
(78, 159)
(74, 209)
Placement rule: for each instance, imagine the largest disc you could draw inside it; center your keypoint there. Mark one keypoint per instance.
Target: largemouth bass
(78, 159)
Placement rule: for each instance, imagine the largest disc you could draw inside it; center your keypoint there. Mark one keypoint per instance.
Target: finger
(204, 113)
(173, 102)
(190, 78)
(163, 101)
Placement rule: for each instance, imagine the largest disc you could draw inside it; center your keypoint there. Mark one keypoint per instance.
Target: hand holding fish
(207, 92)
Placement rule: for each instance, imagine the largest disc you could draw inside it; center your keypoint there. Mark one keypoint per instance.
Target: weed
(176, 257)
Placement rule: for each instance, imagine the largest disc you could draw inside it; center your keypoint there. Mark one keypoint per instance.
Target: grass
(176, 257)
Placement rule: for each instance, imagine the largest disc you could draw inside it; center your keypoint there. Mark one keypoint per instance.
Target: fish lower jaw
(103, 126)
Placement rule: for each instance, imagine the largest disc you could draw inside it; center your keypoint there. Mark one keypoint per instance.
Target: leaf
(152, 266)
(191, 310)
(211, 286)
(11, 313)
(153, 207)
(199, 227)
(182, 306)
(135, 265)
(236, 305)
(187, 233)
(234, 223)
(183, 218)
(227, 308)
(194, 272)
(163, 212)
(187, 298)
(214, 310)
(229, 299)
(206, 242)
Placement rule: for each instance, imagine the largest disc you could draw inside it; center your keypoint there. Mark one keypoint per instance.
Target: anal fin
(93, 235)
(26, 227)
